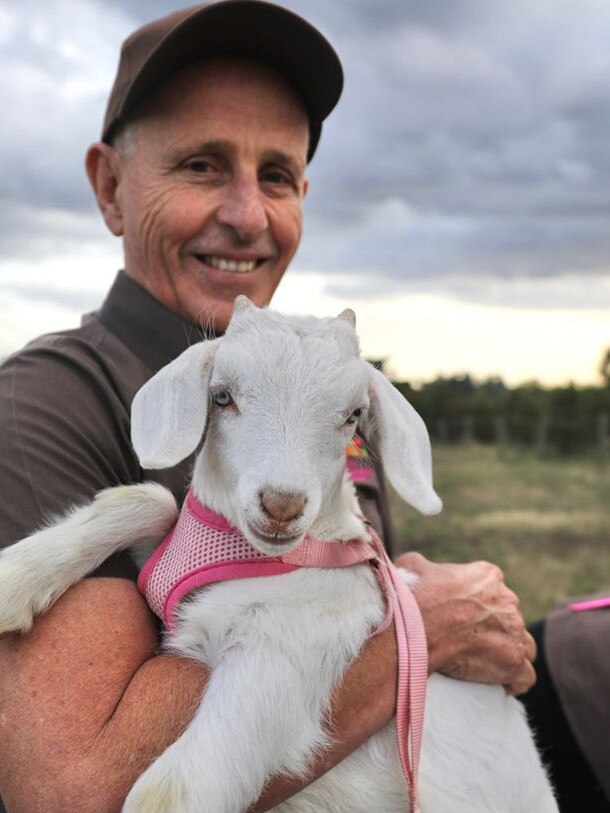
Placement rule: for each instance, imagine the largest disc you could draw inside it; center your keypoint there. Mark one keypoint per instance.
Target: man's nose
(243, 208)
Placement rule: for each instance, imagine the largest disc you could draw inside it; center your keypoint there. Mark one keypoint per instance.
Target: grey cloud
(564, 292)
(79, 300)
(53, 82)
(472, 137)
(31, 232)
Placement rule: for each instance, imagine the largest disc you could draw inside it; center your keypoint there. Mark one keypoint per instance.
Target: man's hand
(474, 627)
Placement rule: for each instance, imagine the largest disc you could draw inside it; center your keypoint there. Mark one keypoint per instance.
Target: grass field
(545, 522)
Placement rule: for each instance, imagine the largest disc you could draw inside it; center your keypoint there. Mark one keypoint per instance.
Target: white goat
(278, 400)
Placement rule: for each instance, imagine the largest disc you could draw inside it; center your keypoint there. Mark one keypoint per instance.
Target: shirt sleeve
(64, 433)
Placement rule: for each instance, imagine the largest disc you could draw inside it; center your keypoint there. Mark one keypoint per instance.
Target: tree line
(564, 420)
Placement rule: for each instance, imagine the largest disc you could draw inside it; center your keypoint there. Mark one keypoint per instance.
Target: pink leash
(204, 549)
(412, 669)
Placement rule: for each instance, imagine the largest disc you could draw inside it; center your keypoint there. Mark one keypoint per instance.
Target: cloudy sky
(460, 200)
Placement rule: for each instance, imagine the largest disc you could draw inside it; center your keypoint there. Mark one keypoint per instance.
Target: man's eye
(199, 165)
(222, 398)
(276, 176)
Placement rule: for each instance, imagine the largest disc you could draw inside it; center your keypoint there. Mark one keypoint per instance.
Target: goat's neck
(340, 516)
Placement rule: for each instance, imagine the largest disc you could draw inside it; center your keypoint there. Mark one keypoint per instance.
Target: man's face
(211, 187)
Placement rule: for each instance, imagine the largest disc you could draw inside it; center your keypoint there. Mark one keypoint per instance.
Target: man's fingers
(525, 677)
(523, 682)
(530, 647)
(413, 560)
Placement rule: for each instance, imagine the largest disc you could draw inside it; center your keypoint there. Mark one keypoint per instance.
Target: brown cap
(248, 28)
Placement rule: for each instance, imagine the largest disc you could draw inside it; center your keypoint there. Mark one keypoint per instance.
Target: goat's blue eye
(357, 413)
(222, 398)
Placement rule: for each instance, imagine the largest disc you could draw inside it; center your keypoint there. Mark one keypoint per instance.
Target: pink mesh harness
(204, 548)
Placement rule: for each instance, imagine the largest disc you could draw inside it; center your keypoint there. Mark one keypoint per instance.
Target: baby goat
(278, 400)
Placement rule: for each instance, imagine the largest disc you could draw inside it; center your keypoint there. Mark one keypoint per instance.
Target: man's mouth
(224, 264)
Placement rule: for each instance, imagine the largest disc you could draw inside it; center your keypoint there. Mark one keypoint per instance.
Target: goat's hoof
(10, 623)
(16, 611)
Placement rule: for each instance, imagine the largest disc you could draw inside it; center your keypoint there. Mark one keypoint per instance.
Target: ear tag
(357, 461)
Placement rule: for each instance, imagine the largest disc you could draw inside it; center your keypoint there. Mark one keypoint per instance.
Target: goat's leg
(261, 716)
(36, 571)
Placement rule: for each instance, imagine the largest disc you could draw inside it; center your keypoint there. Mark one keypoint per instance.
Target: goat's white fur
(278, 645)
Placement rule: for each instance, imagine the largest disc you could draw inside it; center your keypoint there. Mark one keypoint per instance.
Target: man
(214, 115)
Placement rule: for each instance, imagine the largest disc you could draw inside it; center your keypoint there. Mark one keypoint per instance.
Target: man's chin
(213, 311)
(212, 317)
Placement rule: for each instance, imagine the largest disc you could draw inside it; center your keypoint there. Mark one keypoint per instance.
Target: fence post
(602, 435)
(468, 429)
(442, 430)
(501, 431)
(542, 436)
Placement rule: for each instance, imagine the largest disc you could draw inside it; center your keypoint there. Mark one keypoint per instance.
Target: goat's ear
(169, 413)
(404, 444)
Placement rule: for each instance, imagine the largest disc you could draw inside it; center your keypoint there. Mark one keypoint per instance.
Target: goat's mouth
(276, 541)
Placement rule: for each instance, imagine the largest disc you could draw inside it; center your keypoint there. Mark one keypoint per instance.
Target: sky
(459, 201)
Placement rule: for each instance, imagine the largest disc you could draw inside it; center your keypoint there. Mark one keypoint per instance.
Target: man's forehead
(219, 77)
(199, 100)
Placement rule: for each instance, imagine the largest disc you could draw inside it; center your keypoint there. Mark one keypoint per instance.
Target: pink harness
(203, 548)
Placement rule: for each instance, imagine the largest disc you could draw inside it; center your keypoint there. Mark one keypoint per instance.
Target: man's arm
(86, 704)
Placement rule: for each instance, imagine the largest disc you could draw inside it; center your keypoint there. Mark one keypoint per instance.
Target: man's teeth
(240, 267)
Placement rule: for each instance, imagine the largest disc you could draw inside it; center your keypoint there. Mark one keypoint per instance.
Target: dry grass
(545, 522)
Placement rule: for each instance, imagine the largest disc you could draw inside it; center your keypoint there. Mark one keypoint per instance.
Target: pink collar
(204, 548)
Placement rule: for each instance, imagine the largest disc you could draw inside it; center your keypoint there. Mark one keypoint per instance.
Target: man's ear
(103, 165)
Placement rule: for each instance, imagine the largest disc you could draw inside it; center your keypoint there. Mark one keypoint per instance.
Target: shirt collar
(153, 332)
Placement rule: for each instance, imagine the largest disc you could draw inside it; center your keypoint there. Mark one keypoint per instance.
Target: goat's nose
(283, 505)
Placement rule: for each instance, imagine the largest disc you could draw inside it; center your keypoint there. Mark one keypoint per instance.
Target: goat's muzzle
(282, 506)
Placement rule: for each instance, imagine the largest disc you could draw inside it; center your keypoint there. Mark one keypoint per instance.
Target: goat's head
(278, 399)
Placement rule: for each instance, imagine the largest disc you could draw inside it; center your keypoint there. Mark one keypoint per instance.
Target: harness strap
(412, 667)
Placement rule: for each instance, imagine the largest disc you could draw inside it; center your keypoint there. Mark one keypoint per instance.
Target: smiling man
(207, 185)
(215, 112)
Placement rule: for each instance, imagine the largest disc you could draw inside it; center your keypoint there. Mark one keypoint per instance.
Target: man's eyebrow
(226, 147)
(217, 145)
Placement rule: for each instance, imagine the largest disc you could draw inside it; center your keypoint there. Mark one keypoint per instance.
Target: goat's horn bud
(349, 316)
(242, 303)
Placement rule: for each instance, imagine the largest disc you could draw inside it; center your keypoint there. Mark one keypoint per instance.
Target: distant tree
(525, 407)
(568, 431)
(565, 420)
